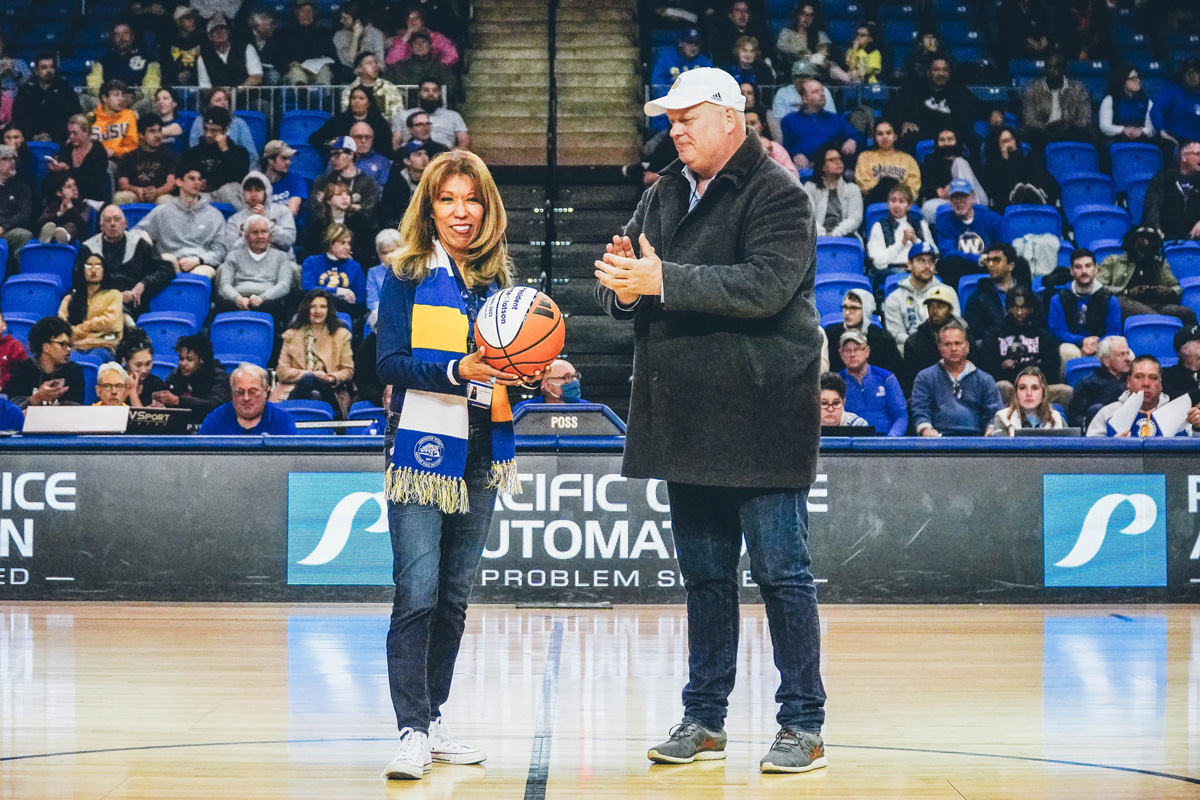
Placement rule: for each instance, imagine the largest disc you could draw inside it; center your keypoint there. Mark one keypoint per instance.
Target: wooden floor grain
(161, 701)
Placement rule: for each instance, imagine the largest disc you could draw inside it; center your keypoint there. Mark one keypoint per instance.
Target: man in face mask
(560, 385)
(448, 127)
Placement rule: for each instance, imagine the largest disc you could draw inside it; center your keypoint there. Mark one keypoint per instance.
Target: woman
(66, 218)
(858, 306)
(1029, 408)
(356, 35)
(802, 39)
(84, 160)
(883, 166)
(864, 62)
(136, 353)
(414, 20)
(440, 498)
(748, 64)
(361, 108)
(239, 130)
(833, 404)
(774, 149)
(837, 204)
(1012, 176)
(94, 310)
(316, 362)
(199, 383)
(336, 210)
(166, 106)
(1125, 110)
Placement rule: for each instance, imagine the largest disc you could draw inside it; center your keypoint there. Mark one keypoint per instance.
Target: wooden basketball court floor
(104, 700)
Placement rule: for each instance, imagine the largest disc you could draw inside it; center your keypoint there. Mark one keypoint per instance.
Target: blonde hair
(487, 257)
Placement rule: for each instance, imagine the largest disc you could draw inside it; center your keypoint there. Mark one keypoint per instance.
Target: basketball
(522, 329)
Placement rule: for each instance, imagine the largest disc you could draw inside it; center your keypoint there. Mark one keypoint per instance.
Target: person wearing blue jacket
(668, 66)
(249, 413)
(1176, 108)
(964, 231)
(806, 130)
(335, 271)
(1083, 312)
(953, 396)
(871, 392)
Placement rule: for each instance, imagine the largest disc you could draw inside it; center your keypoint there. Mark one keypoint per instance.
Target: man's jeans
(434, 560)
(708, 524)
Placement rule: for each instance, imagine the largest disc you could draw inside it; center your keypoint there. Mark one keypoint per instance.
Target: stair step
(578, 197)
(598, 335)
(502, 81)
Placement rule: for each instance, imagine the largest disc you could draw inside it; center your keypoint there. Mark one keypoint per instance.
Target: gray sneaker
(794, 751)
(689, 741)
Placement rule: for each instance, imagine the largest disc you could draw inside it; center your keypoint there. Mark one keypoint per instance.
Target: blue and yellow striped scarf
(429, 457)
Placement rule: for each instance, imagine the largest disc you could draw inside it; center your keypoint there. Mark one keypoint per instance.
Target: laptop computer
(1063, 432)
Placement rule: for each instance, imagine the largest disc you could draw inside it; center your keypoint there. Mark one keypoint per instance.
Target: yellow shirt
(117, 132)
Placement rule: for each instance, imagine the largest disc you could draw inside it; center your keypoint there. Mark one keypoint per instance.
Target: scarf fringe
(406, 485)
(503, 478)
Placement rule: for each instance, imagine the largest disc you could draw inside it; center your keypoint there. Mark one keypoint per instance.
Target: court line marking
(543, 736)
(968, 754)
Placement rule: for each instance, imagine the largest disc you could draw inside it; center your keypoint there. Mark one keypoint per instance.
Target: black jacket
(16, 205)
(130, 261)
(1093, 392)
(725, 370)
(217, 167)
(1166, 208)
(40, 109)
(1011, 348)
(202, 391)
(27, 376)
(1178, 381)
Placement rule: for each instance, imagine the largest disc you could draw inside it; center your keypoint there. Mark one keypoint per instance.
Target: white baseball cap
(696, 86)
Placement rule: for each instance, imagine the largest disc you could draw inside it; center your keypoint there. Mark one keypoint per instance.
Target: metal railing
(549, 206)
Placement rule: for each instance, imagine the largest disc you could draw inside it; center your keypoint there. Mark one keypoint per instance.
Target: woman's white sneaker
(412, 760)
(444, 748)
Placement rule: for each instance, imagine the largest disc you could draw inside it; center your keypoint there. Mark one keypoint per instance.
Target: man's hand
(347, 295)
(167, 398)
(909, 127)
(1195, 234)
(1090, 345)
(631, 277)
(255, 301)
(849, 147)
(243, 303)
(189, 263)
(929, 431)
(1193, 416)
(49, 391)
(221, 140)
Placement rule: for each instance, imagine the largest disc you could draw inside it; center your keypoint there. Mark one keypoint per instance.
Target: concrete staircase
(599, 82)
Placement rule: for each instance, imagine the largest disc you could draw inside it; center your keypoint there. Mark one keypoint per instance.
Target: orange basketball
(522, 329)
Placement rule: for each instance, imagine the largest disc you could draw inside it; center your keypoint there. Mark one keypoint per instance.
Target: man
(256, 277)
(1142, 279)
(370, 163)
(1084, 311)
(50, 377)
(16, 204)
(1145, 376)
(187, 230)
(403, 180)
(223, 64)
(790, 99)
(1102, 385)
(988, 304)
(180, 53)
(952, 396)
(131, 264)
(44, 104)
(307, 47)
(728, 282)
(1175, 111)
(1184, 377)
(560, 384)
(147, 175)
(1173, 196)
(422, 63)
(219, 160)
(256, 198)
(446, 127)
(805, 131)
(249, 413)
(1024, 25)
(264, 35)
(964, 232)
(114, 125)
(11, 352)
(921, 349)
(364, 192)
(739, 21)
(904, 309)
(112, 385)
(1055, 109)
(686, 56)
(125, 62)
(287, 188)
(941, 167)
(934, 104)
(872, 393)
(1022, 340)
(387, 96)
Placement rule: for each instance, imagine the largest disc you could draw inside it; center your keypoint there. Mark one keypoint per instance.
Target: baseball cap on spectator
(920, 249)
(690, 35)
(1185, 335)
(853, 335)
(940, 292)
(961, 186)
(216, 115)
(218, 21)
(344, 143)
(183, 11)
(412, 146)
(276, 148)
(696, 86)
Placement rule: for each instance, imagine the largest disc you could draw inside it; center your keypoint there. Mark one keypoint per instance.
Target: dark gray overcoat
(726, 365)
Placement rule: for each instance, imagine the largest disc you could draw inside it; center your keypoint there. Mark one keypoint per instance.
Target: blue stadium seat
(841, 31)
(231, 361)
(163, 367)
(31, 293)
(959, 31)
(1077, 368)
(364, 410)
(1025, 68)
(87, 358)
(1130, 159)
(1096, 222)
(966, 287)
(839, 254)
(19, 324)
(900, 30)
(1135, 195)
(226, 209)
(875, 95)
(1191, 293)
(875, 212)
(89, 368)
(296, 126)
(186, 120)
(1068, 158)
(968, 53)
(1153, 334)
(1064, 253)
(136, 212)
(346, 320)
(1103, 248)
(46, 36)
(889, 283)
(310, 411)
(165, 327)
(40, 150)
(1020, 220)
(951, 10)
(49, 259)
(257, 122)
(249, 334)
(307, 162)
(1184, 258)
(830, 289)
(1086, 188)
(924, 148)
(186, 293)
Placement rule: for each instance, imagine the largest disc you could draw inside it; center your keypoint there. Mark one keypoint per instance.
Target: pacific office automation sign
(29, 500)
(574, 532)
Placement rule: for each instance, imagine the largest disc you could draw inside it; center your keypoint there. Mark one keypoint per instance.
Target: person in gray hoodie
(187, 230)
(256, 194)
(256, 276)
